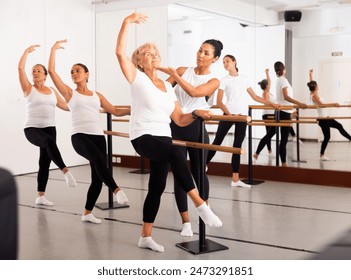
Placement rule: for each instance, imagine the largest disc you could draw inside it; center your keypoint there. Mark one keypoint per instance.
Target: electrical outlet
(118, 160)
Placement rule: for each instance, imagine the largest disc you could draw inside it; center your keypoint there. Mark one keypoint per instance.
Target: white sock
(187, 231)
(121, 197)
(71, 182)
(148, 242)
(90, 218)
(208, 216)
(41, 200)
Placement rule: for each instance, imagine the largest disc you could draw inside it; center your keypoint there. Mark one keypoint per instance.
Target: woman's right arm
(65, 90)
(126, 64)
(25, 84)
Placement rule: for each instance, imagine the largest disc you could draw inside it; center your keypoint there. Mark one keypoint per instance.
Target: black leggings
(45, 139)
(93, 148)
(190, 133)
(325, 126)
(284, 131)
(161, 153)
(239, 136)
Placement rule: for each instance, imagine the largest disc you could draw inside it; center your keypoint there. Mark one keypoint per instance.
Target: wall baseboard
(259, 172)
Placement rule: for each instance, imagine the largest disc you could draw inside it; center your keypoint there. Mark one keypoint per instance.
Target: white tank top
(321, 112)
(188, 103)
(85, 112)
(40, 109)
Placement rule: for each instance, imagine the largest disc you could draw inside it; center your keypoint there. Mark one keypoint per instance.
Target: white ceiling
(283, 5)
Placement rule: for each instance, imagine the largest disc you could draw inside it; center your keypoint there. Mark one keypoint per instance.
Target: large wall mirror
(257, 34)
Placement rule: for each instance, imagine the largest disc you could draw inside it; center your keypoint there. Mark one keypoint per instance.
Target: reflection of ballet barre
(325, 118)
(295, 106)
(189, 144)
(270, 122)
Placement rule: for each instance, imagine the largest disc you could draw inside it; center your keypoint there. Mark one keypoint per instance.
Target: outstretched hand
(168, 70)
(137, 18)
(57, 45)
(32, 48)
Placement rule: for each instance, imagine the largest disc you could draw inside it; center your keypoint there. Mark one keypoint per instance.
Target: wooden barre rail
(189, 144)
(231, 118)
(325, 118)
(269, 122)
(295, 106)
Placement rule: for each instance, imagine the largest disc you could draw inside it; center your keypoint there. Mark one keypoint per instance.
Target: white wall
(313, 43)
(23, 23)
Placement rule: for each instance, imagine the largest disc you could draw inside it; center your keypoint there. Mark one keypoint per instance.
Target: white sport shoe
(91, 219)
(324, 158)
(41, 200)
(240, 184)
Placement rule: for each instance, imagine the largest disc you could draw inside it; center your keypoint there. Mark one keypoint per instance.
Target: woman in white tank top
(88, 138)
(39, 127)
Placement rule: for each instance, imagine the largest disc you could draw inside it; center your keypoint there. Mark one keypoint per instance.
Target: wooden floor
(270, 221)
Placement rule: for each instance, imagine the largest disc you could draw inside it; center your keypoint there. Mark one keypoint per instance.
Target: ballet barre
(190, 144)
(203, 245)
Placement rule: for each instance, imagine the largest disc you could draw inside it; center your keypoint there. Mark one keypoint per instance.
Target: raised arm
(25, 84)
(61, 103)
(65, 90)
(206, 89)
(126, 64)
(311, 74)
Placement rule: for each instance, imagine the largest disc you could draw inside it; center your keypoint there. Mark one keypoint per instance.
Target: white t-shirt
(186, 102)
(235, 90)
(151, 108)
(40, 109)
(85, 111)
(282, 83)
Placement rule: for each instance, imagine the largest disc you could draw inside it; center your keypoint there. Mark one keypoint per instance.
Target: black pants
(284, 131)
(239, 136)
(45, 139)
(325, 126)
(93, 148)
(161, 153)
(191, 133)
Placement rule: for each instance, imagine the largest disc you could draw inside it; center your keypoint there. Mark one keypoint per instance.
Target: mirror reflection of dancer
(325, 124)
(154, 104)
(88, 138)
(39, 127)
(235, 87)
(265, 85)
(193, 86)
(285, 97)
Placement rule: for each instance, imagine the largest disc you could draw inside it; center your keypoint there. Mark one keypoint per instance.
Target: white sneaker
(240, 184)
(41, 200)
(324, 158)
(91, 219)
